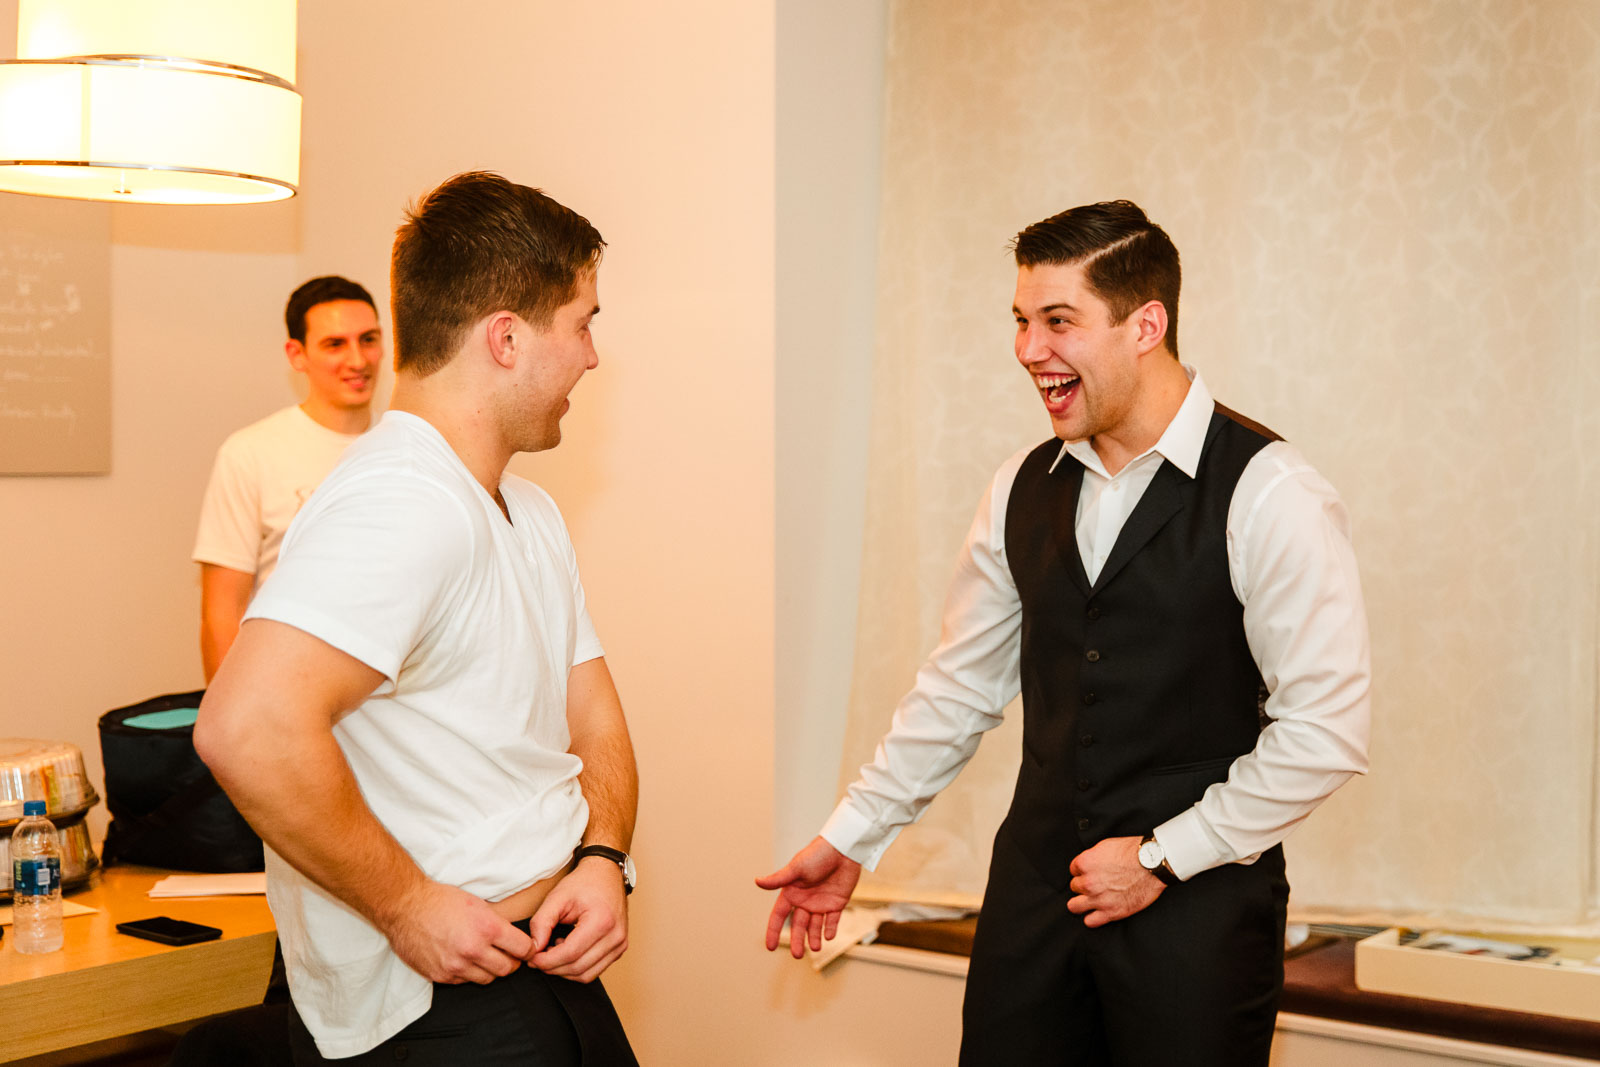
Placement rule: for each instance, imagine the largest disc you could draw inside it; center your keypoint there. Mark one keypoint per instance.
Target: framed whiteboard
(55, 336)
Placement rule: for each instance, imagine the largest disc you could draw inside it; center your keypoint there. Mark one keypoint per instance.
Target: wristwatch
(1153, 858)
(630, 877)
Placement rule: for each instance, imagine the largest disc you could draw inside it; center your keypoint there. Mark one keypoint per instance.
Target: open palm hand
(813, 888)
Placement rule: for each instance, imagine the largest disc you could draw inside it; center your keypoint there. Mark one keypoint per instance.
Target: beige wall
(658, 122)
(829, 146)
(98, 599)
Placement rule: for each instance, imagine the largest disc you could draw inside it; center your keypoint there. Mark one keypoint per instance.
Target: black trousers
(1191, 981)
(527, 1018)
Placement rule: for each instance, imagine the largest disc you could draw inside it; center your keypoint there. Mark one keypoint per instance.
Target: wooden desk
(104, 984)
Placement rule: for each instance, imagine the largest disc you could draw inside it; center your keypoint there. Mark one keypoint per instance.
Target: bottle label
(35, 877)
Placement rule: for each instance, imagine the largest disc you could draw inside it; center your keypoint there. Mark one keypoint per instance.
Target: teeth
(1051, 381)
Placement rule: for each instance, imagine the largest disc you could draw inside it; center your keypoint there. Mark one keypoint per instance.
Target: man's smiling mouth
(1056, 387)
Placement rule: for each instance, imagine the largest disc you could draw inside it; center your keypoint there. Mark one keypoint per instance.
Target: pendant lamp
(152, 101)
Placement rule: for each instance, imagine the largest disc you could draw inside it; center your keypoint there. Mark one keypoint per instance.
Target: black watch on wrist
(615, 855)
(1153, 858)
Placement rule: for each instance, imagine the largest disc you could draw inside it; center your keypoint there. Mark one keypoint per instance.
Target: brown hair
(476, 245)
(1127, 259)
(324, 290)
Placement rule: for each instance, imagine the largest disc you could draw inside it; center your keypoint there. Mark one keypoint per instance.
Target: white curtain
(1389, 216)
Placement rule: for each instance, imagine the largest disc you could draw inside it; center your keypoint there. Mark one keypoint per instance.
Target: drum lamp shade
(152, 101)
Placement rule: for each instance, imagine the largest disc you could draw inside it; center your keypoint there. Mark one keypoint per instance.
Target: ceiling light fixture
(152, 101)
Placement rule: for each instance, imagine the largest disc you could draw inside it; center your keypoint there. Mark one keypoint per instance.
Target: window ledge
(1319, 991)
(915, 959)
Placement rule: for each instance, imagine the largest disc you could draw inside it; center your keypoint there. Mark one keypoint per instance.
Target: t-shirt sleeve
(587, 645)
(230, 513)
(558, 543)
(371, 568)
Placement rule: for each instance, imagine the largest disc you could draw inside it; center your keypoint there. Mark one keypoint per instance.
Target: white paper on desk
(68, 910)
(253, 883)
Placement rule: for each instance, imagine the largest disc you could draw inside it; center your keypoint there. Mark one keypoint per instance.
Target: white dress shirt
(1293, 570)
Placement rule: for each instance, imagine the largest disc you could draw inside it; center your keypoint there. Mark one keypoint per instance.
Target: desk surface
(104, 984)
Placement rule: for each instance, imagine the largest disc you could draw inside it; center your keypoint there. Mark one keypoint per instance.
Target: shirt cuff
(1189, 845)
(857, 836)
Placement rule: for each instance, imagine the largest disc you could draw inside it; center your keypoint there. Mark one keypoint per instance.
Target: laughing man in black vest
(1172, 590)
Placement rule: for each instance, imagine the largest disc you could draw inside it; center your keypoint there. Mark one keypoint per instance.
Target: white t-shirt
(403, 561)
(262, 476)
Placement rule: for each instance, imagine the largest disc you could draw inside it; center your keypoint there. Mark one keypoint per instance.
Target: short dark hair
(1127, 260)
(321, 290)
(476, 245)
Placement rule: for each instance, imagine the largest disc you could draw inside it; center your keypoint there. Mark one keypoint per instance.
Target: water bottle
(35, 881)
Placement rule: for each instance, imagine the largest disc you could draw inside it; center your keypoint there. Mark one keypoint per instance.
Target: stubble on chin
(542, 436)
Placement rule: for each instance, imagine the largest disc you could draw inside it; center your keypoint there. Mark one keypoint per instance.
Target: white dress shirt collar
(1180, 443)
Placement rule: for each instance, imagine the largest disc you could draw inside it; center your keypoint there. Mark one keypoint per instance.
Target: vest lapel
(1064, 522)
(1161, 501)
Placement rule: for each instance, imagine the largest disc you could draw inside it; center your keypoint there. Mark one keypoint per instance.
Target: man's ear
(1151, 322)
(296, 353)
(501, 336)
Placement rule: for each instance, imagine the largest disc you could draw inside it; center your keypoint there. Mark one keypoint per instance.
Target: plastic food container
(51, 771)
(78, 860)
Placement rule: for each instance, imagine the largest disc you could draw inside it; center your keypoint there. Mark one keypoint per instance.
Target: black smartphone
(170, 931)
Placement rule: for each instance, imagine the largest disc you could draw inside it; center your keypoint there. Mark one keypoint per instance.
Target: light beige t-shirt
(264, 473)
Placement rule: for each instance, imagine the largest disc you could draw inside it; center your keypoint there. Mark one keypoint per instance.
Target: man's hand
(1110, 882)
(815, 886)
(448, 935)
(592, 900)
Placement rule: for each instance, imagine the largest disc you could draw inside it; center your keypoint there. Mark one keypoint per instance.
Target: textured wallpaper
(1389, 216)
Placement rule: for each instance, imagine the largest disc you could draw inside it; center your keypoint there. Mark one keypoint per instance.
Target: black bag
(166, 808)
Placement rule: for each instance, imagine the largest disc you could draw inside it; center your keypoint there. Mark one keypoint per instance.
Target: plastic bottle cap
(32, 807)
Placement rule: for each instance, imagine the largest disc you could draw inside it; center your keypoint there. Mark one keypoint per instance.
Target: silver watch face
(1151, 855)
(629, 874)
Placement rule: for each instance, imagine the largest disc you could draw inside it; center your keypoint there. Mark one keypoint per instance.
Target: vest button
(1085, 740)
(1083, 824)
(1093, 613)
(1088, 698)
(1084, 784)
(1093, 655)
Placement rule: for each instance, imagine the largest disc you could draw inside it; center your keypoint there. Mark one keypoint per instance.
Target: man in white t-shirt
(265, 472)
(417, 716)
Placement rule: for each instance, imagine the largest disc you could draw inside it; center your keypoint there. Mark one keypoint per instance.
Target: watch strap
(615, 855)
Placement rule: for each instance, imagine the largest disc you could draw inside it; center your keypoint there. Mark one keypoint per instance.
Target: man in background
(1171, 588)
(417, 716)
(264, 472)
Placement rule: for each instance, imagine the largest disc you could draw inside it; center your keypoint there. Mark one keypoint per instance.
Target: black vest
(1138, 692)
